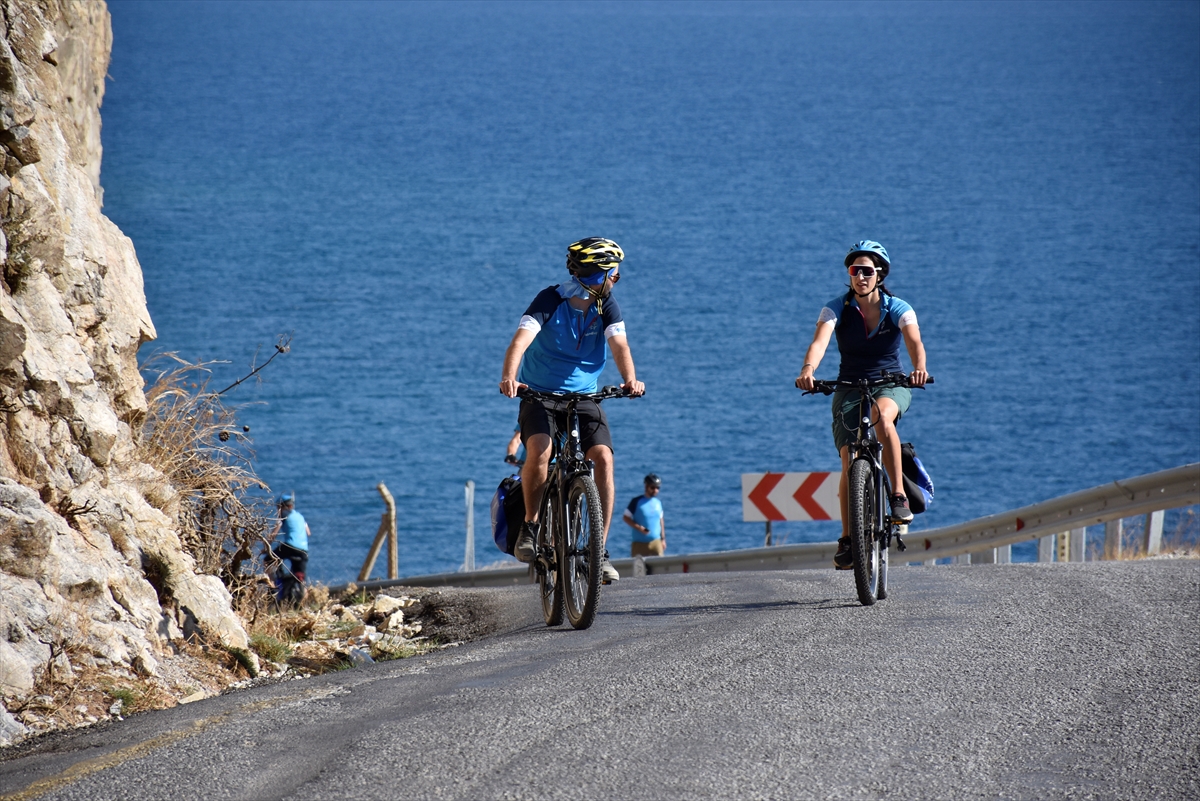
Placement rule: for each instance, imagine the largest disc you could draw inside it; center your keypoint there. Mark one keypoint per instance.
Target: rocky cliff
(92, 574)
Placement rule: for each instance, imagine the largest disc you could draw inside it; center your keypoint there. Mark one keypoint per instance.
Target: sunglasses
(595, 279)
(862, 269)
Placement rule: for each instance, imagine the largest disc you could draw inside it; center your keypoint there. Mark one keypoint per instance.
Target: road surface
(997, 681)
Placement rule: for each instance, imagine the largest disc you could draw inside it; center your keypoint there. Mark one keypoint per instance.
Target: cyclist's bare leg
(885, 429)
(602, 458)
(843, 491)
(535, 472)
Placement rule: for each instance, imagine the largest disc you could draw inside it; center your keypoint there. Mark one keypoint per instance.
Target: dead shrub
(193, 439)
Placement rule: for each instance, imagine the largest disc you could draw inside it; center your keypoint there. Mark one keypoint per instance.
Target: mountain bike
(871, 526)
(570, 542)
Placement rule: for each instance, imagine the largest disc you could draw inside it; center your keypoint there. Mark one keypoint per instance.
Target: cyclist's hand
(917, 378)
(509, 387)
(805, 380)
(510, 458)
(635, 388)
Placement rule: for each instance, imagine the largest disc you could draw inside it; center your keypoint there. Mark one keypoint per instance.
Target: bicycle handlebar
(885, 379)
(604, 394)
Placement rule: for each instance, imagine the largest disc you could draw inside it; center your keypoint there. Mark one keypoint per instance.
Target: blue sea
(390, 184)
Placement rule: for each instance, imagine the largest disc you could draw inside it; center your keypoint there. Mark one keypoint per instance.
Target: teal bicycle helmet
(876, 251)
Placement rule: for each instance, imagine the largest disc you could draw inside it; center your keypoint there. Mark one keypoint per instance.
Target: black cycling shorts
(550, 417)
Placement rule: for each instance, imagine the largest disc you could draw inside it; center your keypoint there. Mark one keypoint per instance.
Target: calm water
(393, 183)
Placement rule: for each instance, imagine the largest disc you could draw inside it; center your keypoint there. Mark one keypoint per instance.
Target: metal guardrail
(1166, 489)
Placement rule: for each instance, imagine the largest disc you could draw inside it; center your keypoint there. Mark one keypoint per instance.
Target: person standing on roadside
(290, 542)
(645, 516)
(561, 345)
(515, 452)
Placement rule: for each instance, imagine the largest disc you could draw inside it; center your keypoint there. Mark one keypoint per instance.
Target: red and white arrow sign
(790, 496)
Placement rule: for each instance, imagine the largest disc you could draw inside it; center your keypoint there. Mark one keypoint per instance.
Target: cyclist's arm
(512, 361)
(628, 518)
(662, 530)
(513, 445)
(814, 354)
(624, 359)
(307, 531)
(916, 354)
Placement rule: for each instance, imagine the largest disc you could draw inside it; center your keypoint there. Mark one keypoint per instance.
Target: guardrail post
(1078, 538)
(1046, 549)
(985, 557)
(1062, 551)
(962, 559)
(1004, 555)
(1112, 539)
(469, 556)
(1154, 527)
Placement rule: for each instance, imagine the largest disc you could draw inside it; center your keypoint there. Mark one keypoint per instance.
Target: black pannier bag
(918, 486)
(508, 513)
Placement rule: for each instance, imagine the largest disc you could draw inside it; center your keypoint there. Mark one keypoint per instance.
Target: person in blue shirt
(561, 345)
(290, 542)
(515, 452)
(645, 516)
(869, 322)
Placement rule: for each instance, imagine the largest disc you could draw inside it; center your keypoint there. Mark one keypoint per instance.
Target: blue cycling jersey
(866, 353)
(294, 531)
(571, 347)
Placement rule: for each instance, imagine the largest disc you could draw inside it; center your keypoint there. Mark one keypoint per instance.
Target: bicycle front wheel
(864, 529)
(584, 527)
(549, 576)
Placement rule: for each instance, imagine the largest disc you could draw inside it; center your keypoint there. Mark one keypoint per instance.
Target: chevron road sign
(790, 496)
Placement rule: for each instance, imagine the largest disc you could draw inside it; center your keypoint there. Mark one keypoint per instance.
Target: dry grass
(192, 437)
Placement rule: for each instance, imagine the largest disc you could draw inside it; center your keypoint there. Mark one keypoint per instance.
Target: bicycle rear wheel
(549, 576)
(584, 527)
(864, 528)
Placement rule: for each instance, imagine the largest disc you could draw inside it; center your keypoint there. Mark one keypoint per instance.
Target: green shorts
(845, 411)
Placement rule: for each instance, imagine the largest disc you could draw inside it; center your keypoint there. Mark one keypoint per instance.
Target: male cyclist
(560, 346)
(869, 323)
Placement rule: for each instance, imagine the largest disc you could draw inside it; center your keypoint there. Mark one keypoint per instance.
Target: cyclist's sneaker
(900, 510)
(843, 559)
(607, 571)
(526, 548)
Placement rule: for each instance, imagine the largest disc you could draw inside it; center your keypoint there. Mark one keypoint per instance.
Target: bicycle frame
(570, 548)
(869, 527)
(566, 462)
(867, 446)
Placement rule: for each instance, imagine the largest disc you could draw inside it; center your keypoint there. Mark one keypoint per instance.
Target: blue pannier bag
(508, 513)
(918, 486)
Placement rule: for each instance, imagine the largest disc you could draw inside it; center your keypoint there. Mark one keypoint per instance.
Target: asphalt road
(999, 681)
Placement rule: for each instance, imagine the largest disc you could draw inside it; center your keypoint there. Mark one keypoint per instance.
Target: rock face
(92, 574)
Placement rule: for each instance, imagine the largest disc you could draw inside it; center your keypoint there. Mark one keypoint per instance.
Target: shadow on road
(714, 609)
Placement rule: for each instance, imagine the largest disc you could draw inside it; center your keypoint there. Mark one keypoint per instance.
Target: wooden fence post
(390, 520)
(373, 554)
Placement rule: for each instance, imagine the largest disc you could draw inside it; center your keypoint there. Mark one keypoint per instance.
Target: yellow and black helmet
(593, 255)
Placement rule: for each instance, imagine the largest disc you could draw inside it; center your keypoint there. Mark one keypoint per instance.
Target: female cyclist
(869, 322)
